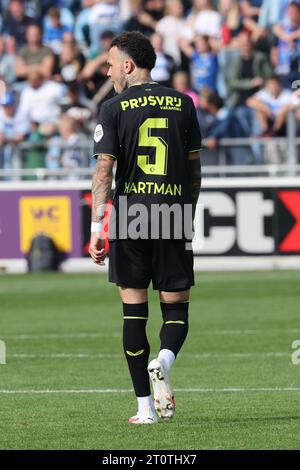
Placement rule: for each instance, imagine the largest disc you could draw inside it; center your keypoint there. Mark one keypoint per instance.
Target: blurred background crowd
(239, 60)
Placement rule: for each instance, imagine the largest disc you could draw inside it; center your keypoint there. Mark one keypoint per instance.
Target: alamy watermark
(2, 352)
(156, 221)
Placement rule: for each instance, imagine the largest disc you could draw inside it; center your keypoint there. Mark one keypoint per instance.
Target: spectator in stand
(203, 62)
(94, 74)
(72, 5)
(247, 72)
(34, 56)
(2, 51)
(146, 16)
(40, 99)
(208, 20)
(272, 12)
(82, 30)
(66, 148)
(104, 15)
(16, 22)
(14, 127)
(286, 56)
(164, 65)
(222, 123)
(205, 119)
(7, 59)
(181, 83)
(271, 105)
(32, 8)
(232, 25)
(203, 19)
(251, 8)
(126, 9)
(70, 61)
(213, 105)
(54, 32)
(66, 15)
(79, 108)
(73, 156)
(170, 27)
(250, 11)
(231, 21)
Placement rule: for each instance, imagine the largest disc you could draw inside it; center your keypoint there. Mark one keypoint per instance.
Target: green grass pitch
(236, 385)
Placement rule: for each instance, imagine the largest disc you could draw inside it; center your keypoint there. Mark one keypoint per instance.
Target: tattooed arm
(194, 165)
(101, 187)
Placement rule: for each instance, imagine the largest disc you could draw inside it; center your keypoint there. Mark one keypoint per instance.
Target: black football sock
(136, 346)
(175, 326)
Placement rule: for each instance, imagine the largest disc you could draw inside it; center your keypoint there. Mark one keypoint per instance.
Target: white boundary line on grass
(183, 390)
(61, 336)
(80, 335)
(118, 356)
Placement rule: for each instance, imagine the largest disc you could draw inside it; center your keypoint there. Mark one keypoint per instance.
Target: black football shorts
(134, 263)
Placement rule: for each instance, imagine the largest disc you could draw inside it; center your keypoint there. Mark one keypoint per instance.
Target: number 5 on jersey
(146, 139)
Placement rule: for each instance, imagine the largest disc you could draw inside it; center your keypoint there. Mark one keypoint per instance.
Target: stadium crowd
(239, 60)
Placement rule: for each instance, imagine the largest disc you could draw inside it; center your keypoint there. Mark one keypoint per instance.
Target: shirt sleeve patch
(98, 133)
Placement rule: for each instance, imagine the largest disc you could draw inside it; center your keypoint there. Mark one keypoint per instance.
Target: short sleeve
(106, 138)
(194, 140)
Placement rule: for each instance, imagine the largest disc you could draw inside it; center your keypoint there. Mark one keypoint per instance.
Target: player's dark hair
(138, 47)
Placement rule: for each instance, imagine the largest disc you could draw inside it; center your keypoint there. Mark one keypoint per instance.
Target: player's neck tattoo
(134, 81)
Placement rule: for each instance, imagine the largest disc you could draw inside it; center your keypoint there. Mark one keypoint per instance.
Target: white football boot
(164, 402)
(147, 416)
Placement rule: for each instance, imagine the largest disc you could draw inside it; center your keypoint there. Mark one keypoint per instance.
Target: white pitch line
(263, 354)
(60, 336)
(250, 332)
(179, 390)
(42, 392)
(111, 356)
(118, 334)
(238, 389)
(64, 355)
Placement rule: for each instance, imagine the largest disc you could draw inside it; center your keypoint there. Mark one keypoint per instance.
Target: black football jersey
(149, 129)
